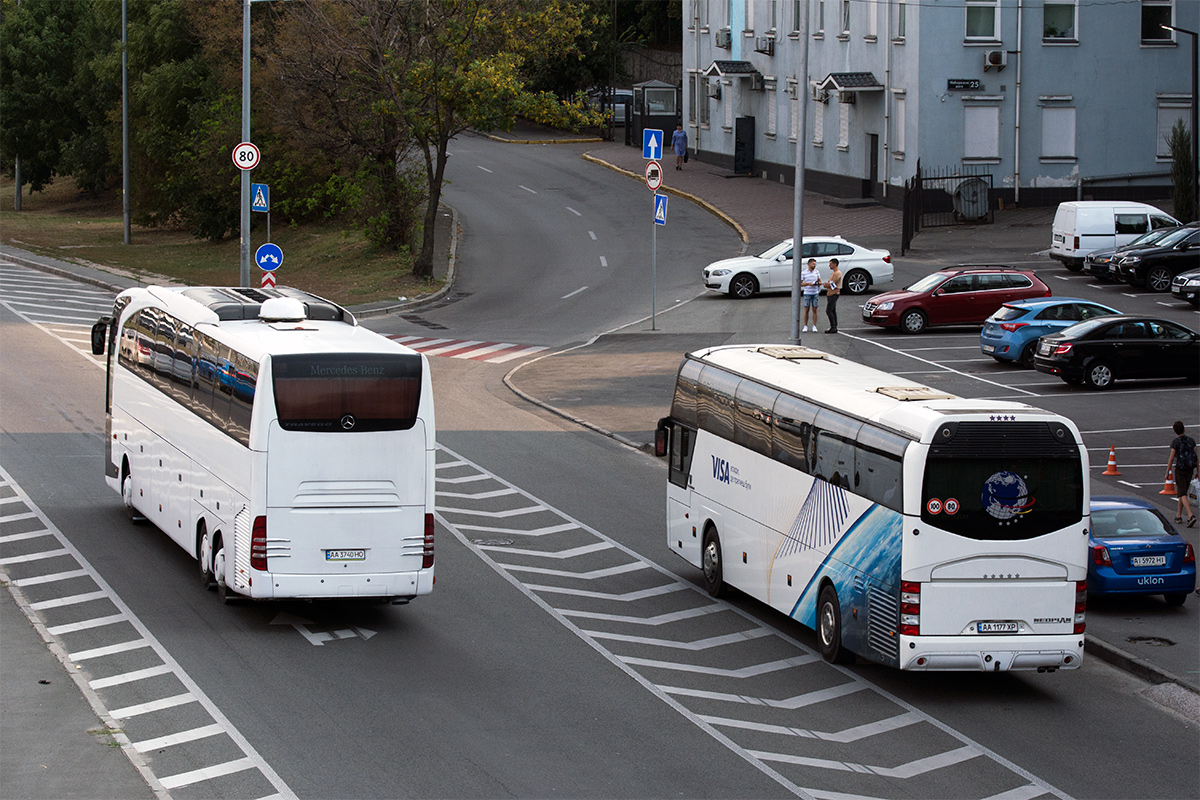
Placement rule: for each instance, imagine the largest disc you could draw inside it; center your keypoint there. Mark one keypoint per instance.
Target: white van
(1082, 226)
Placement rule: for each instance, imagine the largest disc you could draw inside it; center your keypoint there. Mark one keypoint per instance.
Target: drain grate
(418, 320)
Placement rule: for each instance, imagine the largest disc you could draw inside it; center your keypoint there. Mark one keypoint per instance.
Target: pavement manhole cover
(1153, 641)
(491, 542)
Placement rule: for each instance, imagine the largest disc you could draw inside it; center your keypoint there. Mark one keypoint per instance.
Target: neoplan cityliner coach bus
(905, 525)
(289, 450)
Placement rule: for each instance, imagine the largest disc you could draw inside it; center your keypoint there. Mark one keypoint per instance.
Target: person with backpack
(1183, 459)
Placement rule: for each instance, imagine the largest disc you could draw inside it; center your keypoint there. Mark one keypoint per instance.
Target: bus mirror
(99, 335)
(660, 442)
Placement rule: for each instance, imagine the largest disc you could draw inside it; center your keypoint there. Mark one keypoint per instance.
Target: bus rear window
(347, 392)
(999, 499)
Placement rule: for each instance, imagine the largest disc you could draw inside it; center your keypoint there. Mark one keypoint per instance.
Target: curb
(1117, 657)
(707, 206)
(506, 140)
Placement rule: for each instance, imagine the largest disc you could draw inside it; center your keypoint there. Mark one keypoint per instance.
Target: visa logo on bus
(720, 469)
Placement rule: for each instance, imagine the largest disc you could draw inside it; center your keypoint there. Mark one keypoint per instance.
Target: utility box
(656, 106)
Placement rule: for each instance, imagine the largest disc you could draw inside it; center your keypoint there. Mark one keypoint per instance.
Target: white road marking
(846, 736)
(933, 363)
(485, 169)
(909, 770)
(130, 677)
(178, 738)
(152, 706)
(572, 294)
(695, 646)
(603, 261)
(59, 602)
(1133, 485)
(573, 211)
(592, 234)
(207, 773)
(526, 188)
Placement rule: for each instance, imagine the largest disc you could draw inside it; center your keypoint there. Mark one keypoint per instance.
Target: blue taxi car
(1011, 334)
(1136, 551)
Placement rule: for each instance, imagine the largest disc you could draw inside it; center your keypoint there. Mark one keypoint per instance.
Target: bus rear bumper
(279, 586)
(990, 653)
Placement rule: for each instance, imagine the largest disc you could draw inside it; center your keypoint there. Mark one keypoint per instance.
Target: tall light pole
(125, 122)
(801, 142)
(1195, 128)
(245, 261)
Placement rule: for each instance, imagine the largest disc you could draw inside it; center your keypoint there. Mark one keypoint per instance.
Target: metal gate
(946, 196)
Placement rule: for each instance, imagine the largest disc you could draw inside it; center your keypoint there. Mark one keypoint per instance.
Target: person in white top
(810, 289)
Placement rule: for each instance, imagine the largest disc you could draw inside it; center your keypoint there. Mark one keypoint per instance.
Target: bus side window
(833, 447)
(878, 461)
(752, 416)
(791, 432)
(680, 466)
(715, 401)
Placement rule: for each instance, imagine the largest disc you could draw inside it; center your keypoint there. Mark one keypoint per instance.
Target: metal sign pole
(653, 262)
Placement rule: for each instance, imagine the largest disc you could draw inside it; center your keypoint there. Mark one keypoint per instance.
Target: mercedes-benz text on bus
(904, 525)
(286, 448)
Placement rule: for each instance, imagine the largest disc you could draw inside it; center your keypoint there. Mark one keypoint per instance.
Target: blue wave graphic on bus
(872, 545)
(1006, 496)
(819, 521)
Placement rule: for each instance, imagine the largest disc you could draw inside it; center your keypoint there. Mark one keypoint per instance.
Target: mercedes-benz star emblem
(348, 422)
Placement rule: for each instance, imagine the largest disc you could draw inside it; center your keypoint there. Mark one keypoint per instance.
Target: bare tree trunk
(435, 167)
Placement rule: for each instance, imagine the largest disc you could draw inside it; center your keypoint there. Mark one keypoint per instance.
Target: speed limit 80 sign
(246, 156)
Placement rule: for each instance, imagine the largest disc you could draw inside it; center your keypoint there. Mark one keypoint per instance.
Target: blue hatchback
(1011, 334)
(1136, 551)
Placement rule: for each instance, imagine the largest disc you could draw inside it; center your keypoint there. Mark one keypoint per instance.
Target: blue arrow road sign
(652, 144)
(260, 197)
(660, 209)
(268, 257)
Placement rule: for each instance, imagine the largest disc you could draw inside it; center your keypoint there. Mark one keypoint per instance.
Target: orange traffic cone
(1169, 483)
(1112, 463)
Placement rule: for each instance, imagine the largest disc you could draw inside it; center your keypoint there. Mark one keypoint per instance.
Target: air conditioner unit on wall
(724, 38)
(819, 95)
(765, 44)
(847, 97)
(713, 90)
(756, 82)
(995, 58)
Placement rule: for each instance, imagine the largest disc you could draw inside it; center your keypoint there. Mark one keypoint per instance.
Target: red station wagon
(965, 295)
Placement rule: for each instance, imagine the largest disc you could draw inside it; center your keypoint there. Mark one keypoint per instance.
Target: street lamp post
(1195, 128)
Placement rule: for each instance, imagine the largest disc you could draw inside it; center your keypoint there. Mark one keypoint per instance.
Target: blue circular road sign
(268, 257)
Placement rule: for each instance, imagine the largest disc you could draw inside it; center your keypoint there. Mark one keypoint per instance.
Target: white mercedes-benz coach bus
(904, 525)
(288, 449)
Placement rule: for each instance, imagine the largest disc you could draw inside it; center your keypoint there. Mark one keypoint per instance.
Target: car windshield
(776, 250)
(1148, 238)
(1175, 237)
(1123, 523)
(927, 283)
(1009, 312)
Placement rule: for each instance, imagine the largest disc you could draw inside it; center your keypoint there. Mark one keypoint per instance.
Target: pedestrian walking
(1183, 460)
(833, 290)
(810, 292)
(679, 142)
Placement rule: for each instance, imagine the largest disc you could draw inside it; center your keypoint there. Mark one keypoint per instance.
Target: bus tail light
(1080, 604)
(427, 552)
(1189, 555)
(1100, 556)
(258, 544)
(910, 608)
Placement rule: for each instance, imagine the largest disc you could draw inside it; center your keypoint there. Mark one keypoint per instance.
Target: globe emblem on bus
(1006, 497)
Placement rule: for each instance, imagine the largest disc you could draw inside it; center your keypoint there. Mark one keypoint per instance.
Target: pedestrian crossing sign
(260, 197)
(660, 209)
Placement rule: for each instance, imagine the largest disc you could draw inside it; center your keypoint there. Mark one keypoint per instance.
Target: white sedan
(771, 270)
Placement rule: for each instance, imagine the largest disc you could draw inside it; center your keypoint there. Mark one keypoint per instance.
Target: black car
(1101, 350)
(1186, 286)
(1100, 262)
(1155, 266)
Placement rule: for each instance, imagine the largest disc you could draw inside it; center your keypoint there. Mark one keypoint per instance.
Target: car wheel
(1158, 279)
(913, 321)
(710, 563)
(1175, 598)
(1099, 375)
(857, 281)
(1073, 267)
(743, 286)
(1026, 358)
(829, 628)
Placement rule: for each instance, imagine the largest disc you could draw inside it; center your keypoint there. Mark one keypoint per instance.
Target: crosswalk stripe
(491, 352)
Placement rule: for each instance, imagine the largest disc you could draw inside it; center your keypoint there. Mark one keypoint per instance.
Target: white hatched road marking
(613, 587)
(191, 696)
(491, 352)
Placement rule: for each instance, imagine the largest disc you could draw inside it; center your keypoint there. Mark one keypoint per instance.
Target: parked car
(1100, 262)
(771, 270)
(1102, 350)
(962, 295)
(616, 102)
(1154, 267)
(1186, 286)
(1012, 333)
(1136, 551)
(1082, 226)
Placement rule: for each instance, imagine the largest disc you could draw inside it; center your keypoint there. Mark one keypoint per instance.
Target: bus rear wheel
(135, 516)
(829, 628)
(224, 593)
(710, 563)
(206, 573)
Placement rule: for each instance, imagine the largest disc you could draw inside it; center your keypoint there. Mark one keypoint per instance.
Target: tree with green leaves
(1183, 172)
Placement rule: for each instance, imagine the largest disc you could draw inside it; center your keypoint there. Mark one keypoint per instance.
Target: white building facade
(1056, 99)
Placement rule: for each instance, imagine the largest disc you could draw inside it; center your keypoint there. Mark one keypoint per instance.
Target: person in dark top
(1183, 460)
